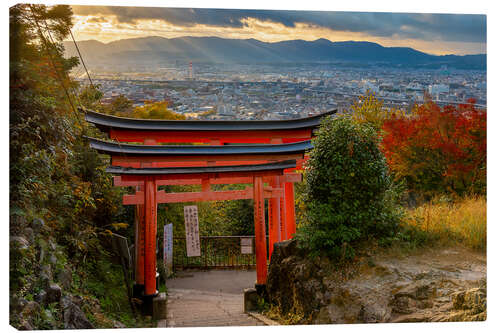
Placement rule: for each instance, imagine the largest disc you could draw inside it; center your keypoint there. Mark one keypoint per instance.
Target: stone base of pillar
(160, 307)
(250, 300)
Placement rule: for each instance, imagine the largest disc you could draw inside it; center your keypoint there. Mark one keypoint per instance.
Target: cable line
(45, 42)
(81, 58)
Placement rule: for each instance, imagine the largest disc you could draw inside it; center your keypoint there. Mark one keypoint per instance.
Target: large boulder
(25, 325)
(41, 297)
(17, 303)
(74, 317)
(54, 293)
(46, 275)
(65, 277)
(473, 299)
(293, 281)
(31, 309)
(374, 289)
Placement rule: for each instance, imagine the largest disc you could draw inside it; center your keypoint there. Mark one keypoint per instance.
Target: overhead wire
(81, 58)
(75, 93)
(45, 42)
(59, 78)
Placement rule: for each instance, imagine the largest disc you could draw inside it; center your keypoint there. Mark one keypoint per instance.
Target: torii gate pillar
(274, 220)
(150, 237)
(289, 211)
(139, 248)
(260, 231)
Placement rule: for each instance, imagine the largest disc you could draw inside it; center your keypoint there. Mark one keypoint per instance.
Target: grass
(104, 285)
(460, 222)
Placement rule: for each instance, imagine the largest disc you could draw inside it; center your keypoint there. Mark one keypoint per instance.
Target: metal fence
(216, 252)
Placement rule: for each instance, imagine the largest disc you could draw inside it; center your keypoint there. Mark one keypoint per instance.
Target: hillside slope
(220, 50)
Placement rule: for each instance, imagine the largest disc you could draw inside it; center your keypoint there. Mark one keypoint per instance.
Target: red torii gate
(149, 165)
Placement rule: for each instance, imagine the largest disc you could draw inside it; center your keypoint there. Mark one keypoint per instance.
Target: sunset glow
(107, 28)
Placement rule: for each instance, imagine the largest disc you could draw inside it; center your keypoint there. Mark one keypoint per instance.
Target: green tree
(349, 195)
(122, 106)
(156, 110)
(57, 182)
(369, 109)
(90, 98)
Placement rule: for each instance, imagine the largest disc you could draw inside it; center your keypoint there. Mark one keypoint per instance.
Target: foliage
(207, 114)
(156, 110)
(233, 217)
(90, 97)
(216, 218)
(57, 182)
(121, 106)
(369, 109)
(349, 195)
(463, 221)
(438, 150)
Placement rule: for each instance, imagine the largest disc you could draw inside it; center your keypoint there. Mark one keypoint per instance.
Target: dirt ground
(465, 264)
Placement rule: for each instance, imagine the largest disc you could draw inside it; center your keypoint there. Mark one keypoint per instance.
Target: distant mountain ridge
(221, 50)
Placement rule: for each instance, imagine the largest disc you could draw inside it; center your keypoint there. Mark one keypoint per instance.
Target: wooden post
(147, 231)
(260, 230)
(274, 218)
(150, 237)
(290, 210)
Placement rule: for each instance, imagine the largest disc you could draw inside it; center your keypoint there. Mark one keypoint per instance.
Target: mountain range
(252, 51)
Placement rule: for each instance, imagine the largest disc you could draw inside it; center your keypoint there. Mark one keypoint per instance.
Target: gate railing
(216, 252)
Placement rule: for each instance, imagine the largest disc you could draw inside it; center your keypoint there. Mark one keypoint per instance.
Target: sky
(431, 33)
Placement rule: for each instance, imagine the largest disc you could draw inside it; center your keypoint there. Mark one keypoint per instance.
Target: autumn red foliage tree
(438, 149)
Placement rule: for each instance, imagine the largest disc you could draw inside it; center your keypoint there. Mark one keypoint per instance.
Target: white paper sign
(168, 249)
(246, 245)
(192, 231)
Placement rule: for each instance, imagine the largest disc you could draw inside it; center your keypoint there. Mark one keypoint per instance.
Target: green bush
(348, 195)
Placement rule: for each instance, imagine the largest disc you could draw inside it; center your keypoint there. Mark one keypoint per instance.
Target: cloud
(97, 19)
(429, 27)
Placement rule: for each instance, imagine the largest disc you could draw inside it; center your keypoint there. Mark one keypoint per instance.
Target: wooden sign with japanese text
(192, 231)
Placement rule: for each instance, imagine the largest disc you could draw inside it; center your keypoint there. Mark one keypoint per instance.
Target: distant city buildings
(221, 91)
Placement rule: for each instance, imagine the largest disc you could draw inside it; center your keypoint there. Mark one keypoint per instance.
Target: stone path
(210, 298)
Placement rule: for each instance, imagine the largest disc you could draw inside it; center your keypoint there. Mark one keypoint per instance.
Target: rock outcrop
(437, 286)
(47, 305)
(73, 316)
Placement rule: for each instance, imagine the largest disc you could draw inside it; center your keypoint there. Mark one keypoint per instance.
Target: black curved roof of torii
(113, 148)
(197, 170)
(105, 122)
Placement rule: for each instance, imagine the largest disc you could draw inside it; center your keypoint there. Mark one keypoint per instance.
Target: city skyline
(437, 34)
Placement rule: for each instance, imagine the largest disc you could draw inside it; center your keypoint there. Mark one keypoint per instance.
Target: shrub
(349, 195)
